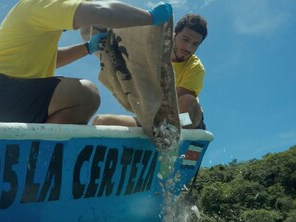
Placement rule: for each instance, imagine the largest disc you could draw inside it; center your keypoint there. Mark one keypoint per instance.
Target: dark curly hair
(193, 21)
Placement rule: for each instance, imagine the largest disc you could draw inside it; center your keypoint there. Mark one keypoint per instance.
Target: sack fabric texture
(136, 67)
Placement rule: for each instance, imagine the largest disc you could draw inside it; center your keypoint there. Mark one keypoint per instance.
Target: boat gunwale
(62, 132)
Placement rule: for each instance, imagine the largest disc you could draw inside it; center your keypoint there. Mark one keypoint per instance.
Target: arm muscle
(110, 14)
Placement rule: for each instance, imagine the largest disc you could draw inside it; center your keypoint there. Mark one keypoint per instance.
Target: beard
(180, 57)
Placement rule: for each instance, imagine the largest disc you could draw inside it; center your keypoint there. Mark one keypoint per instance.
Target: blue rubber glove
(161, 13)
(93, 44)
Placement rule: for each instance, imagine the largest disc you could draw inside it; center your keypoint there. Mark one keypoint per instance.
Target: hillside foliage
(254, 191)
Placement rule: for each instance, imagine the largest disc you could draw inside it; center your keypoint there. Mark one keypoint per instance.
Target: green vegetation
(255, 191)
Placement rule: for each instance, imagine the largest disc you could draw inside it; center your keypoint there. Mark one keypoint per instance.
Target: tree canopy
(253, 191)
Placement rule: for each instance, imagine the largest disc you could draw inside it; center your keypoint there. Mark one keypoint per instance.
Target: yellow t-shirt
(190, 74)
(29, 36)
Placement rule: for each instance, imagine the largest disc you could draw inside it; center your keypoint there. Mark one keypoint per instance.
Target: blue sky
(249, 94)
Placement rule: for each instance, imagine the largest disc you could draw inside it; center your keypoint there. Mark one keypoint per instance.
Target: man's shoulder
(196, 62)
(194, 58)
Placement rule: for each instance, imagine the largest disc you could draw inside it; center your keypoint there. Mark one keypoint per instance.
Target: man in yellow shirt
(29, 55)
(190, 31)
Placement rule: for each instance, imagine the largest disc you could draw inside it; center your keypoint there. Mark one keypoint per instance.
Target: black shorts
(25, 100)
(202, 124)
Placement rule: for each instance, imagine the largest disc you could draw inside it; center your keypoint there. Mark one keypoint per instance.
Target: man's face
(185, 44)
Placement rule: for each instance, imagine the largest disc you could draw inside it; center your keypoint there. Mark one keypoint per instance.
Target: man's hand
(161, 13)
(93, 44)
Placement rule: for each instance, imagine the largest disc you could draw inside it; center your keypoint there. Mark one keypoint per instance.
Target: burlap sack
(136, 67)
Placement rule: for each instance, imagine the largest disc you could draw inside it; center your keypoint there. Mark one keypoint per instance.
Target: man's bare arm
(70, 54)
(182, 91)
(110, 14)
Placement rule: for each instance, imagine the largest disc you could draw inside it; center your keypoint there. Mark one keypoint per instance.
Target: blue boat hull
(87, 173)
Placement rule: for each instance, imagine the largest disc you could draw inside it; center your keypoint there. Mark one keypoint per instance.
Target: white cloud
(289, 135)
(260, 24)
(178, 3)
(150, 4)
(256, 17)
(206, 3)
(278, 143)
(174, 3)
